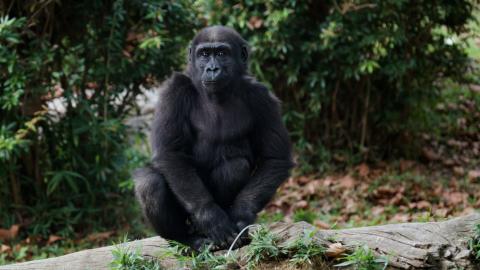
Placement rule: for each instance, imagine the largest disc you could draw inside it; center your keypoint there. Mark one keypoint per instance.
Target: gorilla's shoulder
(179, 79)
(259, 95)
(178, 86)
(176, 92)
(178, 83)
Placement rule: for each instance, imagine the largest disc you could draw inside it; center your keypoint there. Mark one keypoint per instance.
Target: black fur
(220, 149)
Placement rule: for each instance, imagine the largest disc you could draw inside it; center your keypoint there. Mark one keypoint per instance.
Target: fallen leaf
(335, 250)
(421, 205)
(321, 225)
(441, 212)
(474, 88)
(378, 210)
(363, 170)
(397, 199)
(312, 187)
(5, 248)
(99, 236)
(406, 164)
(10, 233)
(301, 204)
(254, 23)
(468, 211)
(459, 171)
(399, 217)
(473, 175)
(346, 182)
(328, 181)
(126, 54)
(448, 162)
(438, 191)
(53, 238)
(351, 206)
(302, 180)
(430, 155)
(455, 198)
(388, 195)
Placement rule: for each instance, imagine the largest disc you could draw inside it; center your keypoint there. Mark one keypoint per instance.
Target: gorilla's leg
(162, 209)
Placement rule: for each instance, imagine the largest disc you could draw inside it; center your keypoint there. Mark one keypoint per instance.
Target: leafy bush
(61, 165)
(355, 76)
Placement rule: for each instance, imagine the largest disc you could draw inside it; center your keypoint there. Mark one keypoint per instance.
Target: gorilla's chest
(222, 132)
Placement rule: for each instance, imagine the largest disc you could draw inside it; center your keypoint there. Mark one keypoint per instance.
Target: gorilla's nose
(213, 72)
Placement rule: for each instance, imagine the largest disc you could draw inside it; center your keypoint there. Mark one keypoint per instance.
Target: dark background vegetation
(362, 82)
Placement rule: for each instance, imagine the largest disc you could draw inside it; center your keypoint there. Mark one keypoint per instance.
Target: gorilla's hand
(216, 225)
(242, 216)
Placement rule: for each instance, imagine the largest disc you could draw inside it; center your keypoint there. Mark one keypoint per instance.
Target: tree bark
(430, 245)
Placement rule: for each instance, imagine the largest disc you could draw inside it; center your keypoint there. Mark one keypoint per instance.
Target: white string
(238, 237)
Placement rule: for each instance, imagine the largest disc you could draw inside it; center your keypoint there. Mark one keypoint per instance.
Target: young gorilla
(220, 149)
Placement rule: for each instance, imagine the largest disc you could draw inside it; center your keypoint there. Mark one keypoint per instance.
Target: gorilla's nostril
(214, 70)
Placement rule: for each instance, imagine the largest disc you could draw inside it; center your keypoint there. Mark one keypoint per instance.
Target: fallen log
(430, 245)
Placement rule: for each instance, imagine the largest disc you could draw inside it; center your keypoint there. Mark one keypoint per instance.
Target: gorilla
(220, 149)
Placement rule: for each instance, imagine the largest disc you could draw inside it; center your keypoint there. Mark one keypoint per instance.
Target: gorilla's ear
(244, 54)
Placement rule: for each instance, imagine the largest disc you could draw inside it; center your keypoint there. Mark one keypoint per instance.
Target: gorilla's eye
(221, 53)
(204, 53)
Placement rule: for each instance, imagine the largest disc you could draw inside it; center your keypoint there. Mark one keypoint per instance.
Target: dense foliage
(63, 164)
(355, 77)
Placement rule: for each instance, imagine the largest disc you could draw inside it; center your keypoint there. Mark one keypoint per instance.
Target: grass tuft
(363, 258)
(304, 250)
(474, 244)
(125, 258)
(203, 260)
(264, 247)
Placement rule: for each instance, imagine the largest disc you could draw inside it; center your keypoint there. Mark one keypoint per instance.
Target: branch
(435, 245)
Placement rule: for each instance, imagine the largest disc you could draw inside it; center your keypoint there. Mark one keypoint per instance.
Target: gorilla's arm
(171, 138)
(171, 142)
(274, 159)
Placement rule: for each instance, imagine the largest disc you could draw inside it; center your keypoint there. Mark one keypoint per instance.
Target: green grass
(264, 247)
(474, 244)
(203, 260)
(363, 258)
(128, 259)
(305, 215)
(268, 217)
(304, 250)
(17, 255)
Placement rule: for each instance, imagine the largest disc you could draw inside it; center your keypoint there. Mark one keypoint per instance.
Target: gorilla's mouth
(210, 82)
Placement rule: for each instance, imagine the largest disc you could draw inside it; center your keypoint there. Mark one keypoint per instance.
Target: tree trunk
(431, 245)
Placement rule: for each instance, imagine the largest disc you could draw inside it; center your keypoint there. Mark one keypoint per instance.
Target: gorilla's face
(217, 58)
(214, 65)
